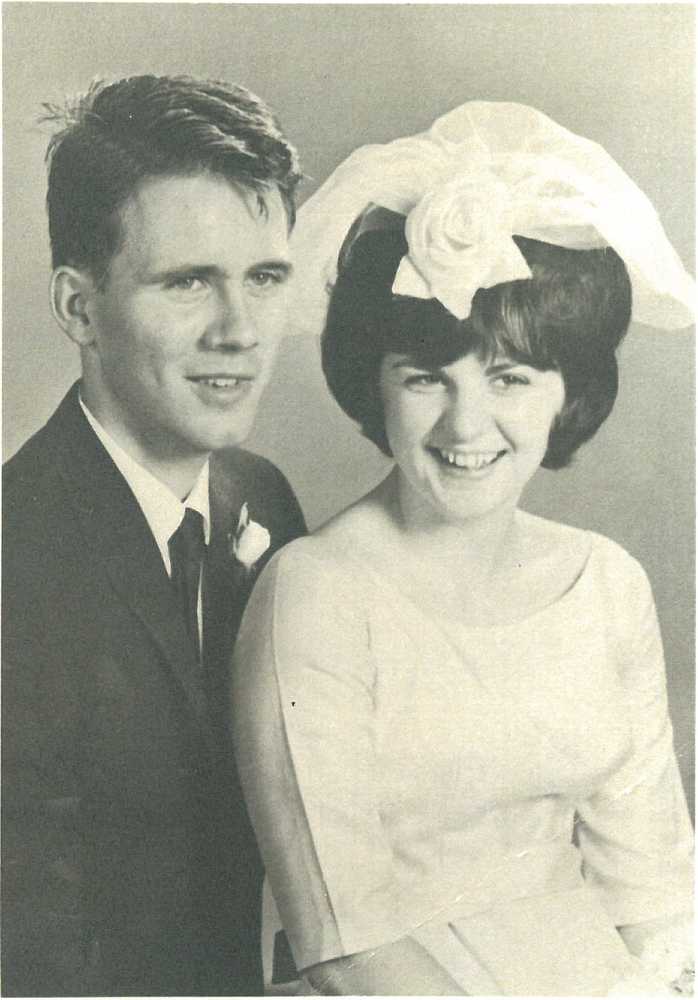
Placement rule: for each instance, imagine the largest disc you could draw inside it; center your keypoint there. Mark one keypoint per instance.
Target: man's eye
(267, 279)
(186, 283)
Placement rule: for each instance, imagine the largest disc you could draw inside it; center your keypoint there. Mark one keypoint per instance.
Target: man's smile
(220, 381)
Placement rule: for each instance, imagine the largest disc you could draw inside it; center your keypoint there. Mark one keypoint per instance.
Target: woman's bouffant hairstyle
(570, 316)
(116, 135)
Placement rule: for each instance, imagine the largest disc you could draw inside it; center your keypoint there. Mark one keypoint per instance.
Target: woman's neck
(479, 548)
(481, 571)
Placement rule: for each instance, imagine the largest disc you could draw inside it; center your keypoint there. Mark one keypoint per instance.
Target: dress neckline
(559, 604)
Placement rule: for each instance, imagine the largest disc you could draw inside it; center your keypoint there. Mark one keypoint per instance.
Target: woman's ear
(71, 291)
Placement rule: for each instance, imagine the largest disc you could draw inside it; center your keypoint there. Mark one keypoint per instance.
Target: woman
(450, 715)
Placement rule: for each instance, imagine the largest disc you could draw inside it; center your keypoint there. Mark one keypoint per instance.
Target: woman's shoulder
(336, 544)
(622, 578)
(545, 538)
(614, 557)
(322, 564)
(310, 601)
(548, 536)
(593, 559)
(326, 574)
(296, 567)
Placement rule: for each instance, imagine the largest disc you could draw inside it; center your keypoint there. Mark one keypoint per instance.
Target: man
(129, 865)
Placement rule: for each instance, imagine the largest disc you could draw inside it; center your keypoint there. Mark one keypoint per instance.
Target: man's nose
(232, 324)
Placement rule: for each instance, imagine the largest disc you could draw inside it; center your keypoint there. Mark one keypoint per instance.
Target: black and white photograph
(348, 534)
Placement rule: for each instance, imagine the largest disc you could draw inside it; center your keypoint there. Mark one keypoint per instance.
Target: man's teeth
(473, 460)
(220, 383)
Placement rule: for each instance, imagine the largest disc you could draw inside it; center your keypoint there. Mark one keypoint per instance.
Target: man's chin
(227, 429)
(231, 436)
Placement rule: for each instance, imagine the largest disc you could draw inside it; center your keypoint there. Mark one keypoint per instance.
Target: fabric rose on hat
(460, 239)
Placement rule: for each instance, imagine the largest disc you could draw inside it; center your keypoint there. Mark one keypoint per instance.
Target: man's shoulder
(40, 484)
(29, 477)
(251, 477)
(36, 462)
(40, 545)
(242, 477)
(244, 466)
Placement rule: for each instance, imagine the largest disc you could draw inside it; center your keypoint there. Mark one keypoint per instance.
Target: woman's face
(469, 436)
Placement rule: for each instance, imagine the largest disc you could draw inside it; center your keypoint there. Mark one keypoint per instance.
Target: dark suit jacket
(129, 865)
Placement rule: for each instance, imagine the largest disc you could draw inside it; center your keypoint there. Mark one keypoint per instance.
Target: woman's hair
(570, 316)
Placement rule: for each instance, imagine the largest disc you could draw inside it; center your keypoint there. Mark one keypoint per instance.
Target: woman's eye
(423, 380)
(508, 379)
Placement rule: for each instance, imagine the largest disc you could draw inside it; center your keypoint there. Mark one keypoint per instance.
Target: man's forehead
(196, 195)
(206, 211)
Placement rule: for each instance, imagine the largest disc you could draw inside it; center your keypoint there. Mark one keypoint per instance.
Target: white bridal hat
(484, 172)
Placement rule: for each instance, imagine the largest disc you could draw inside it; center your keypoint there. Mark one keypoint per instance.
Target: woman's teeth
(471, 460)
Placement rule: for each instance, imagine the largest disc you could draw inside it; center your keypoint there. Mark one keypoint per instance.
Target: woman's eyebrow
(408, 362)
(503, 365)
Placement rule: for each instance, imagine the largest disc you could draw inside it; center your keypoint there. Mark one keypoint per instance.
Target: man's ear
(71, 292)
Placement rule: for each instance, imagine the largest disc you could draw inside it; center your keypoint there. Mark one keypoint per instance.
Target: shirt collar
(162, 509)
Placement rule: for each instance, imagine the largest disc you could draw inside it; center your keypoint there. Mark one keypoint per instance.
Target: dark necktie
(187, 546)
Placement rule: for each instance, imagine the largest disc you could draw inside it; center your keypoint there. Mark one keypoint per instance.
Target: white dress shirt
(163, 510)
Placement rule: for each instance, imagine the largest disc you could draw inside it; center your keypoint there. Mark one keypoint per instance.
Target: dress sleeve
(304, 735)
(634, 832)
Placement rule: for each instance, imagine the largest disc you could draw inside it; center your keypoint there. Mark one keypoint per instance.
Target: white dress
(506, 796)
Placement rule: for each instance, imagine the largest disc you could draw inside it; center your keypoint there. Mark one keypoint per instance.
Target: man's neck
(178, 476)
(177, 472)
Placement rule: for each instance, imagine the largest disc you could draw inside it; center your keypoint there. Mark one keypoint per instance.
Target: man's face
(186, 326)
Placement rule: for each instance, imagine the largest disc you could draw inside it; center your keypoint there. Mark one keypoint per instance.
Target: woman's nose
(468, 414)
(232, 324)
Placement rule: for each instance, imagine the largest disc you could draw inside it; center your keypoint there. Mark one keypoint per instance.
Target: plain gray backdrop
(340, 76)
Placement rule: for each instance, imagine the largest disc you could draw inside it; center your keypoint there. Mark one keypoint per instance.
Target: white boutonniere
(250, 540)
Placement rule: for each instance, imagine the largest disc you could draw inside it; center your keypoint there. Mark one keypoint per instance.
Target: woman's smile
(469, 464)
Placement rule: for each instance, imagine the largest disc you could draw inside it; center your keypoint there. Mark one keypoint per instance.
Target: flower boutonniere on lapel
(249, 541)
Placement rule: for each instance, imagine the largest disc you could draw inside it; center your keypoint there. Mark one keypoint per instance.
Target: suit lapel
(118, 534)
(148, 593)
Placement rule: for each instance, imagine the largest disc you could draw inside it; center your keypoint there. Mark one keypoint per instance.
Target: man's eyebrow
(185, 270)
(214, 270)
(279, 265)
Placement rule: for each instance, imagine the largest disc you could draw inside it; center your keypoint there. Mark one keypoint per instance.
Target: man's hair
(119, 134)
(570, 316)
